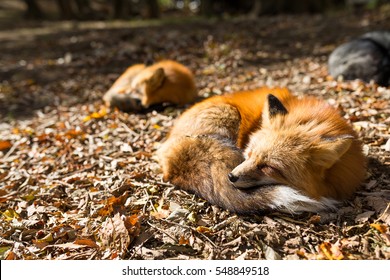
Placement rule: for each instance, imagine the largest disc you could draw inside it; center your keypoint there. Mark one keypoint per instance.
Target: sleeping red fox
(301, 156)
(141, 86)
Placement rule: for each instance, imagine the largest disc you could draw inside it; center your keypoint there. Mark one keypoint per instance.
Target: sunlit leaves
(330, 251)
(379, 227)
(80, 181)
(96, 115)
(10, 214)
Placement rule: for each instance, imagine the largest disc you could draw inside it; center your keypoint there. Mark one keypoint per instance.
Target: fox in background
(142, 86)
(300, 154)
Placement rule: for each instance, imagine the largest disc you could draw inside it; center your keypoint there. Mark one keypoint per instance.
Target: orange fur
(249, 105)
(301, 156)
(141, 86)
(311, 148)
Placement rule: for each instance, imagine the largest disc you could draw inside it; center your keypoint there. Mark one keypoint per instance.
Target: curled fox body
(141, 86)
(300, 154)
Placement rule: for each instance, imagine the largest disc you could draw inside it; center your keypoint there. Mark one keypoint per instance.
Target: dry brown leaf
(4, 145)
(364, 217)
(203, 229)
(11, 256)
(113, 205)
(3, 196)
(184, 241)
(269, 252)
(40, 244)
(73, 133)
(160, 214)
(10, 214)
(86, 242)
(379, 227)
(132, 225)
(378, 201)
(385, 215)
(315, 219)
(96, 115)
(162, 211)
(3, 175)
(331, 251)
(114, 234)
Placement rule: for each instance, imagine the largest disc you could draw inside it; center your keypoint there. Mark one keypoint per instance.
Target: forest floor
(80, 181)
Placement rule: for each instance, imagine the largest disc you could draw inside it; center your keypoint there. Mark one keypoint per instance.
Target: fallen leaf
(40, 244)
(10, 214)
(203, 229)
(269, 252)
(330, 251)
(47, 238)
(114, 234)
(4, 251)
(96, 115)
(113, 205)
(363, 217)
(378, 202)
(3, 196)
(86, 242)
(11, 256)
(133, 220)
(315, 219)
(379, 227)
(73, 133)
(183, 241)
(385, 215)
(132, 225)
(4, 145)
(160, 214)
(386, 147)
(162, 211)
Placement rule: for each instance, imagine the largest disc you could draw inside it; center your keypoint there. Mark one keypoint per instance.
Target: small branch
(163, 231)
(13, 148)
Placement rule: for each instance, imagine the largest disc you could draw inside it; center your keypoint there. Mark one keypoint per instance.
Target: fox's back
(238, 112)
(179, 85)
(250, 104)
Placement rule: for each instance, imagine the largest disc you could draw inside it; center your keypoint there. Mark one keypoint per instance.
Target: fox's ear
(157, 79)
(275, 107)
(272, 108)
(330, 149)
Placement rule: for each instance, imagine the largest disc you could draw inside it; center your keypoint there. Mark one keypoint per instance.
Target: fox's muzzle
(232, 178)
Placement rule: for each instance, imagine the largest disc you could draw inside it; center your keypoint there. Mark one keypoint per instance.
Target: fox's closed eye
(264, 166)
(268, 169)
(271, 170)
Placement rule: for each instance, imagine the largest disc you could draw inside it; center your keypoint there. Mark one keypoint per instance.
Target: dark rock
(366, 58)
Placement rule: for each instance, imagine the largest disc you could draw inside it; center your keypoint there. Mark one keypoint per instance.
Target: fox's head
(292, 148)
(145, 85)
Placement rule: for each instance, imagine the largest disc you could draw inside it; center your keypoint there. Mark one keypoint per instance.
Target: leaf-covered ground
(79, 181)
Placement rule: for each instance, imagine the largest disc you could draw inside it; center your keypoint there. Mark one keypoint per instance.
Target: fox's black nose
(232, 178)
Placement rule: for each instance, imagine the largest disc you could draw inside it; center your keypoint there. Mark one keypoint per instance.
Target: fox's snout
(232, 178)
(244, 176)
(247, 175)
